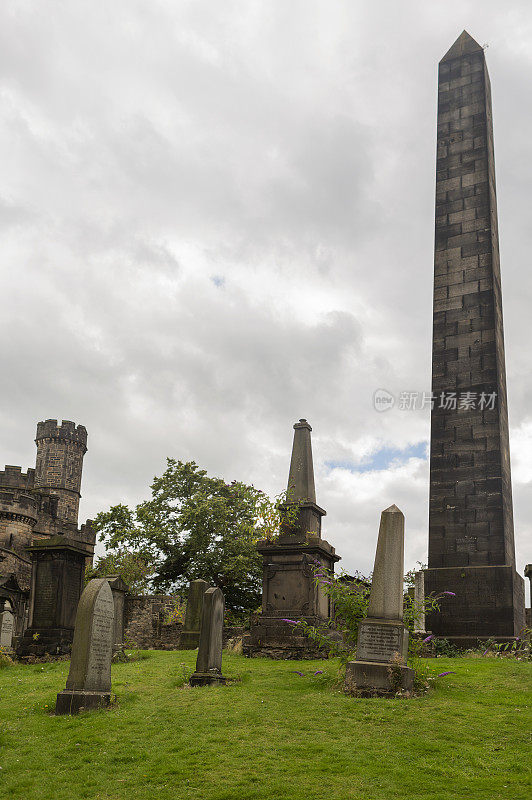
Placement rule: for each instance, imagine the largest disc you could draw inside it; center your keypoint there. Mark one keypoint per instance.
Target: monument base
(45, 641)
(373, 676)
(72, 702)
(271, 637)
(379, 640)
(488, 602)
(206, 679)
(189, 640)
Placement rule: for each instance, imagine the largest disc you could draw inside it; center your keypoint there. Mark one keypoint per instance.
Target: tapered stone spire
(301, 478)
(386, 598)
(471, 537)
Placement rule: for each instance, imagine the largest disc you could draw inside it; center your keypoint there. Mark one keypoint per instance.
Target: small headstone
(209, 661)
(89, 679)
(119, 589)
(382, 637)
(7, 625)
(419, 600)
(190, 634)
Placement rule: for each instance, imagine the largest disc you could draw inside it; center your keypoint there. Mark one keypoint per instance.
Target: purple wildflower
(291, 621)
(450, 594)
(428, 638)
(319, 672)
(297, 673)
(486, 651)
(446, 673)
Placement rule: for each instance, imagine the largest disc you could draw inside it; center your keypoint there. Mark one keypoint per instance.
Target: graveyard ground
(270, 735)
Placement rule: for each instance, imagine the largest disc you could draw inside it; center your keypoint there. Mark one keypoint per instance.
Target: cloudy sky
(217, 218)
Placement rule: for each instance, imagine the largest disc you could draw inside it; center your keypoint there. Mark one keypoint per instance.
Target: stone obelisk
(288, 588)
(471, 537)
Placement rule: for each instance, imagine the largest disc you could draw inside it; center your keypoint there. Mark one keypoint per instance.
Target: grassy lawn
(270, 735)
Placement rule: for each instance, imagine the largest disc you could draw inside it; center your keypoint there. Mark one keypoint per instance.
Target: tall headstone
(209, 661)
(7, 627)
(119, 589)
(288, 587)
(89, 679)
(471, 536)
(419, 601)
(382, 636)
(190, 635)
(58, 567)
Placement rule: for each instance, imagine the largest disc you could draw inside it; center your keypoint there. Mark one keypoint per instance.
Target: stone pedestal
(209, 661)
(58, 566)
(488, 603)
(89, 679)
(190, 635)
(289, 592)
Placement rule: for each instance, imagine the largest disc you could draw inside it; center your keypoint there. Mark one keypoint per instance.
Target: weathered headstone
(382, 636)
(89, 679)
(209, 661)
(119, 589)
(419, 600)
(7, 626)
(190, 634)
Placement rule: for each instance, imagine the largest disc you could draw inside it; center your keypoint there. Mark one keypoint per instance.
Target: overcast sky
(218, 218)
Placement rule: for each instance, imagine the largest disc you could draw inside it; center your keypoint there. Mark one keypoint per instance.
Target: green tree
(197, 526)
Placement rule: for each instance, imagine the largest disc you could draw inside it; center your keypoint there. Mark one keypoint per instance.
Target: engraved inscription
(379, 642)
(45, 603)
(101, 643)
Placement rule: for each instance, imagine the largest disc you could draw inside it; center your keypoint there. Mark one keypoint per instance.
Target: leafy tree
(196, 526)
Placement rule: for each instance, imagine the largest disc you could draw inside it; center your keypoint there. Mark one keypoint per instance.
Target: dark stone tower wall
(471, 520)
(59, 464)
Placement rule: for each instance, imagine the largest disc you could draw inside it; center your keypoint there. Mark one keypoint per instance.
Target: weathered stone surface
(386, 598)
(379, 640)
(471, 518)
(193, 616)
(372, 676)
(58, 567)
(119, 589)
(209, 661)
(89, 679)
(288, 587)
(419, 601)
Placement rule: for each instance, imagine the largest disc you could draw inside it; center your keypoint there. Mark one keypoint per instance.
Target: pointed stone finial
(386, 598)
(464, 44)
(301, 478)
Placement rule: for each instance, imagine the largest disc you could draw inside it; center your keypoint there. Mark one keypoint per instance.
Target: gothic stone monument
(471, 538)
(288, 588)
(190, 635)
(382, 636)
(209, 661)
(89, 679)
(58, 566)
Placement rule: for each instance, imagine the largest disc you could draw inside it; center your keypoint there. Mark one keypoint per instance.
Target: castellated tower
(60, 451)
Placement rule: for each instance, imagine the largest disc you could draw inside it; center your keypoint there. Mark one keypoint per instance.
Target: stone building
(39, 504)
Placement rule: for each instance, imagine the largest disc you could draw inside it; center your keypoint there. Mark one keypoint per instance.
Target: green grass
(271, 735)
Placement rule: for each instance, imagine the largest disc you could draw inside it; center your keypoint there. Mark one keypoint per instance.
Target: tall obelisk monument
(471, 535)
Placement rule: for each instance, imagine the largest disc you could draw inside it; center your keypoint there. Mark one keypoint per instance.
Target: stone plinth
(58, 566)
(488, 603)
(190, 634)
(89, 679)
(209, 661)
(381, 640)
(373, 676)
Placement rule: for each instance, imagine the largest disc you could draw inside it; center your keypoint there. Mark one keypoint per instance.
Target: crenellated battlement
(13, 478)
(67, 431)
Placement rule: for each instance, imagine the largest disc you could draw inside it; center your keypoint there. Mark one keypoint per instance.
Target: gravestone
(89, 679)
(209, 661)
(289, 591)
(7, 626)
(58, 567)
(190, 635)
(382, 636)
(419, 600)
(119, 589)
